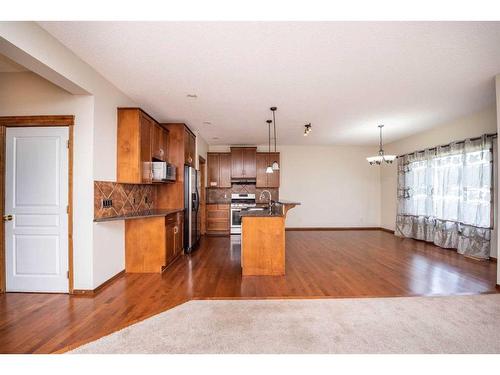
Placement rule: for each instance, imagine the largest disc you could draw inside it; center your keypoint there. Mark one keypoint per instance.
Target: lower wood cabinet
(218, 219)
(152, 244)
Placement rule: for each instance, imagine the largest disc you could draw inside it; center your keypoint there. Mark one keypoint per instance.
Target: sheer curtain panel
(445, 196)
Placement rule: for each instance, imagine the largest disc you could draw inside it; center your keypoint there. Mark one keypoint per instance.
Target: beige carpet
(459, 324)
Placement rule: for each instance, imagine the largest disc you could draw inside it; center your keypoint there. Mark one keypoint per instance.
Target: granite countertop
(141, 214)
(261, 213)
(277, 210)
(282, 201)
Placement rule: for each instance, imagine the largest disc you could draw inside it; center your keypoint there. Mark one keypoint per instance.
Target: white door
(36, 195)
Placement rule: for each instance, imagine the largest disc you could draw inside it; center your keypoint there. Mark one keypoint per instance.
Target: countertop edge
(141, 215)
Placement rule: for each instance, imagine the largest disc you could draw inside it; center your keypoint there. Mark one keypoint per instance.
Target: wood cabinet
(152, 244)
(267, 180)
(160, 143)
(217, 219)
(140, 140)
(243, 162)
(219, 170)
(189, 148)
(174, 237)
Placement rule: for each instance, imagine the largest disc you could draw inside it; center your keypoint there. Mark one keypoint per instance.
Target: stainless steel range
(239, 202)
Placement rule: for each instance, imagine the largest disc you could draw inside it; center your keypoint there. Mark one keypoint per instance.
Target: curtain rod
(492, 135)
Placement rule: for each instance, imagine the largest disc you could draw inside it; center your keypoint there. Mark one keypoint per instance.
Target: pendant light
(269, 168)
(381, 157)
(275, 165)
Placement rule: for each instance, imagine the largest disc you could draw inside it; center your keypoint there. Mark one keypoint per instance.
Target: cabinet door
(192, 149)
(170, 241)
(249, 169)
(225, 170)
(213, 162)
(155, 149)
(189, 148)
(178, 232)
(273, 179)
(261, 165)
(164, 144)
(237, 163)
(146, 130)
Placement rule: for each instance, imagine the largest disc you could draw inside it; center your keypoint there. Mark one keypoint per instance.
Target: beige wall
(335, 184)
(23, 94)
(470, 126)
(99, 247)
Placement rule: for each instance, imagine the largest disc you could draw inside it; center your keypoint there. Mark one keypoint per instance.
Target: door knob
(7, 217)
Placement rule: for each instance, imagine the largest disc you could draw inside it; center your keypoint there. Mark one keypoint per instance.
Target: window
(445, 196)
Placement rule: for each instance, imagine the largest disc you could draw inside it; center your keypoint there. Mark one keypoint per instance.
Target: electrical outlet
(107, 203)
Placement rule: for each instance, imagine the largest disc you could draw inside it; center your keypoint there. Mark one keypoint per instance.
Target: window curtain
(445, 196)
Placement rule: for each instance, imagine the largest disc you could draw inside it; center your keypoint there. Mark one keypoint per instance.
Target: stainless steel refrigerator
(192, 223)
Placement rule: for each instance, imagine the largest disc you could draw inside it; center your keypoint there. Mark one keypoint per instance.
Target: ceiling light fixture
(381, 155)
(269, 168)
(307, 129)
(275, 165)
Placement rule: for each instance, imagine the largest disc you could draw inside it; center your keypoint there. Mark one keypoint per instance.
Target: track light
(307, 129)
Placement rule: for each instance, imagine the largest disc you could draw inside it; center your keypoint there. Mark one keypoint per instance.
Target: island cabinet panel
(217, 219)
(152, 244)
(243, 162)
(263, 246)
(267, 180)
(219, 170)
(134, 146)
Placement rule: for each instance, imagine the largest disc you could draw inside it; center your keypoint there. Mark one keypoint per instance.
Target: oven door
(235, 220)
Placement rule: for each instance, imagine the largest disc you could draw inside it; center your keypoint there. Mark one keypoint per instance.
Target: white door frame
(36, 121)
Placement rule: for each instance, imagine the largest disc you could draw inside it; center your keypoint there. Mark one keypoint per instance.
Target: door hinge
(67, 274)
(67, 209)
(67, 143)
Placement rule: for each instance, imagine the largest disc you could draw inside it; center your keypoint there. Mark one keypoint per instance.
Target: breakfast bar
(263, 240)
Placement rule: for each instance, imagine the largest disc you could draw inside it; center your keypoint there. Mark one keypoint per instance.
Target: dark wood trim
(493, 259)
(25, 121)
(37, 121)
(203, 198)
(2, 210)
(93, 292)
(332, 228)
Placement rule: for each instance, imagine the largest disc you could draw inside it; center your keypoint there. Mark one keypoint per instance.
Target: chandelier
(381, 157)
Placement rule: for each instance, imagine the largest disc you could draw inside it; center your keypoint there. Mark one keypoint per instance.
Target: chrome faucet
(270, 202)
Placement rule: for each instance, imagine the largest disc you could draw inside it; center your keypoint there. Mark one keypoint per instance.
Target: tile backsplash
(218, 195)
(127, 198)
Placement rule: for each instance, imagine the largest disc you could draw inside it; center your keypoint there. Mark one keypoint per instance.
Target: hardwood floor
(319, 264)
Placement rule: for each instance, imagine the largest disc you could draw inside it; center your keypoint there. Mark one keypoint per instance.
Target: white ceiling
(343, 77)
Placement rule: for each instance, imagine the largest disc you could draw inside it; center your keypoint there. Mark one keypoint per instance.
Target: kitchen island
(263, 240)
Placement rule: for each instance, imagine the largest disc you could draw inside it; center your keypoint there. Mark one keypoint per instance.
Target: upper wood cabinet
(267, 180)
(243, 162)
(225, 170)
(189, 148)
(219, 169)
(134, 146)
(160, 143)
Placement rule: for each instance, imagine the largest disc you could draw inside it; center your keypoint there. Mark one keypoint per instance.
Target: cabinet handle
(176, 229)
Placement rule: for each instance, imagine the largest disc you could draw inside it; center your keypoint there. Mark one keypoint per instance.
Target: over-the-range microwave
(163, 171)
